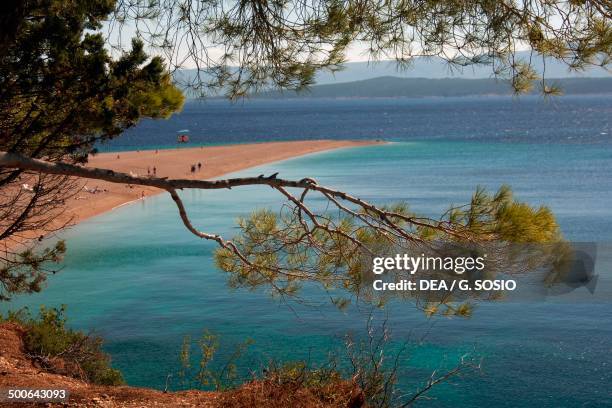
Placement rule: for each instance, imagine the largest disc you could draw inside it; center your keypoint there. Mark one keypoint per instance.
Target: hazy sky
(357, 52)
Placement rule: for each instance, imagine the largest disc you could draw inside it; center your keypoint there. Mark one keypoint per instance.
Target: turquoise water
(142, 281)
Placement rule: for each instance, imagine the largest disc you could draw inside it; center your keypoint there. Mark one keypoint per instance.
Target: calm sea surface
(142, 281)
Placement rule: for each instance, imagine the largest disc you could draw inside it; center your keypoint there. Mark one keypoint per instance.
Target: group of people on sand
(95, 190)
(152, 172)
(196, 167)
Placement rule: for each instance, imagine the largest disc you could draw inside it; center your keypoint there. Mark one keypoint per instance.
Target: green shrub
(60, 349)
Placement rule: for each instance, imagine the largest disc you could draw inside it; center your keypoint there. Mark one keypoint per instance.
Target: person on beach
(193, 168)
(154, 170)
(199, 166)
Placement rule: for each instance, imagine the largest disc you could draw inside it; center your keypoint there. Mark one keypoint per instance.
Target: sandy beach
(98, 197)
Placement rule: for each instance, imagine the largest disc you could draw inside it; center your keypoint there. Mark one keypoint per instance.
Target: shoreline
(98, 197)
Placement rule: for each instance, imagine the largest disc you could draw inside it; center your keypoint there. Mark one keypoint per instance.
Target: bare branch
(463, 366)
(386, 218)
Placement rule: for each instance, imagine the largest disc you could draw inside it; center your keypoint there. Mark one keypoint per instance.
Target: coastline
(97, 197)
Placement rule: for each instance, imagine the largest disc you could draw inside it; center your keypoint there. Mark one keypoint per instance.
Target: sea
(137, 278)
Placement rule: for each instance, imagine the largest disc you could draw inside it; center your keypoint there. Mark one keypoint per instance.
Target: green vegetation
(202, 368)
(284, 44)
(203, 375)
(282, 251)
(25, 271)
(61, 93)
(362, 371)
(60, 349)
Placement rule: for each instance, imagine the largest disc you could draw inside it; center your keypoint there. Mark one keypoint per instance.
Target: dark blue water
(139, 279)
(570, 119)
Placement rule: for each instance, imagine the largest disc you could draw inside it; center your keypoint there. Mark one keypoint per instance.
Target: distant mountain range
(433, 77)
(438, 68)
(425, 87)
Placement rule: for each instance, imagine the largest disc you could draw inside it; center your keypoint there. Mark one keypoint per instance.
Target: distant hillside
(438, 69)
(389, 86)
(433, 68)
